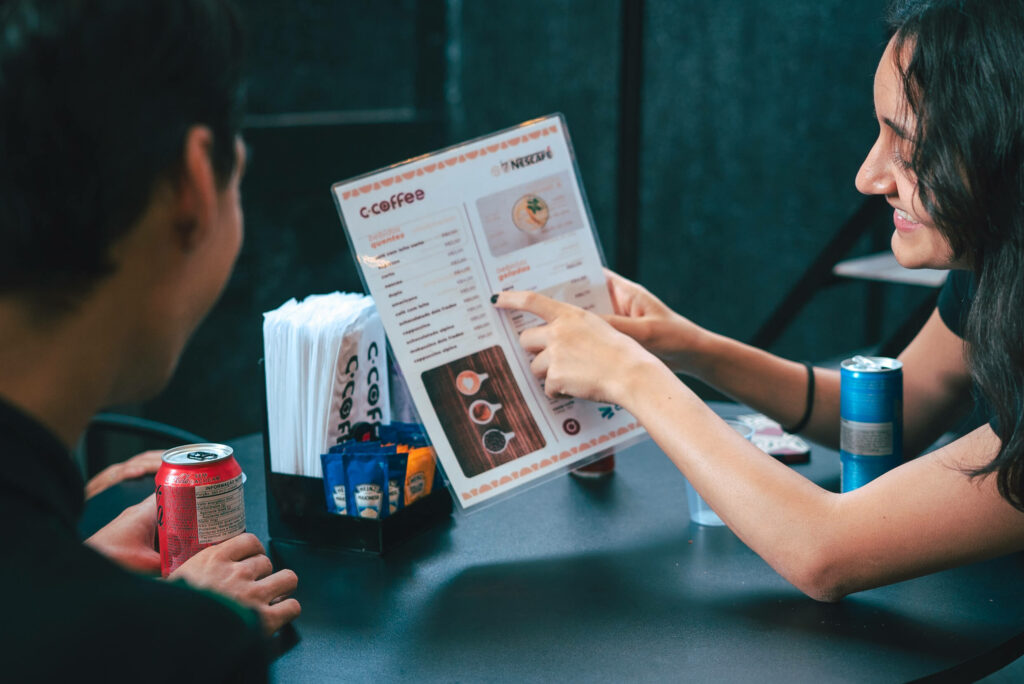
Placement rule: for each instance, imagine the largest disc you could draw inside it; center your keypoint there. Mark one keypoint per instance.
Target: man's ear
(196, 189)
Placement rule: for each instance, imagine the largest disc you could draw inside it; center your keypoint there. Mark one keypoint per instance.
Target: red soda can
(199, 501)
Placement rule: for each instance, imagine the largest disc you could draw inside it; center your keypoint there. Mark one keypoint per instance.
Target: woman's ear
(195, 190)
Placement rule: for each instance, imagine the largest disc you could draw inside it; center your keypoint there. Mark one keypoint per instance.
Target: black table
(610, 581)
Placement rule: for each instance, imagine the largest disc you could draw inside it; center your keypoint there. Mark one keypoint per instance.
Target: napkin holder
(297, 512)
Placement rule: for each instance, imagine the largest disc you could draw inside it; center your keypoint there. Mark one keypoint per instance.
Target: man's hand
(239, 569)
(146, 463)
(128, 538)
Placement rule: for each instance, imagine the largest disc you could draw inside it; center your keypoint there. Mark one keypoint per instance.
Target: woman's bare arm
(936, 382)
(925, 515)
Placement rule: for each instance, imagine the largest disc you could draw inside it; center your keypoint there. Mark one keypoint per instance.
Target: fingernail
(494, 299)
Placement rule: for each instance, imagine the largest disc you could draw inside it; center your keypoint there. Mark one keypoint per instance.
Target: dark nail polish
(494, 299)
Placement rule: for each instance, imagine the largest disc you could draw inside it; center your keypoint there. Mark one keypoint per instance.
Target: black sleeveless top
(955, 300)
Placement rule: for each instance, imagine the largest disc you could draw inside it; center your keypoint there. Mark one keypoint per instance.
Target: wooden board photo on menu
(482, 411)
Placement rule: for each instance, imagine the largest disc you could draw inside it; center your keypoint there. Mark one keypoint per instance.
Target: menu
(434, 237)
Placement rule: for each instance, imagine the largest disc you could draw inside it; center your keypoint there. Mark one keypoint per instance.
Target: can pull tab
(200, 456)
(866, 363)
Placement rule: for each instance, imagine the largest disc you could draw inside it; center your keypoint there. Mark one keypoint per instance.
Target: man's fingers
(135, 470)
(276, 616)
(136, 466)
(534, 303)
(242, 546)
(144, 509)
(281, 583)
(141, 464)
(152, 457)
(258, 566)
(147, 561)
(149, 503)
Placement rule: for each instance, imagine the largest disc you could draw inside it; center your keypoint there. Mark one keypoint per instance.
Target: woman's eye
(900, 161)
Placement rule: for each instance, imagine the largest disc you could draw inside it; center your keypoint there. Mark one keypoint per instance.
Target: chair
(94, 454)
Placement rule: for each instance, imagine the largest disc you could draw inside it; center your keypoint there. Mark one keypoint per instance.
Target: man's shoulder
(98, 619)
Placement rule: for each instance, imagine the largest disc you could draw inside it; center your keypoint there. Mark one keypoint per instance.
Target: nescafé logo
(526, 160)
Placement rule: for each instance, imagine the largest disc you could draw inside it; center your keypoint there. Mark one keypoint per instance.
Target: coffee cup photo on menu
(527, 214)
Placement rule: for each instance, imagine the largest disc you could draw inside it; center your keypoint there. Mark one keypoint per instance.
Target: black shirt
(70, 614)
(955, 300)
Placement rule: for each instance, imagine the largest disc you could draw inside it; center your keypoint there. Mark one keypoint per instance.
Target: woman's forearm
(924, 516)
(769, 384)
(773, 509)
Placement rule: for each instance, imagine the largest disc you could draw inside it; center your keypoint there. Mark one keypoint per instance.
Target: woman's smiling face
(886, 171)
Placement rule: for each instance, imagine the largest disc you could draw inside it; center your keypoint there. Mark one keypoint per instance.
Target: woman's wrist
(640, 378)
(694, 350)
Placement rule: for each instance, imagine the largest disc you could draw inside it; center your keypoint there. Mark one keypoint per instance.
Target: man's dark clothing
(71, 614)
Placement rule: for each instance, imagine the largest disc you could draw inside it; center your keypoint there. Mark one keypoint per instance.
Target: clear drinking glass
(700, 512)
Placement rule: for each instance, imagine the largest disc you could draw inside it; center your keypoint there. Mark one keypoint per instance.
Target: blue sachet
(411, 434)
(334, 483)
(396, 480)
(366, 473)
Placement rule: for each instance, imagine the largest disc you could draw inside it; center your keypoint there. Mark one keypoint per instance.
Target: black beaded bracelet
(810, 402)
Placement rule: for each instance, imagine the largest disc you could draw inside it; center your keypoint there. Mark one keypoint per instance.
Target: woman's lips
(903, 222)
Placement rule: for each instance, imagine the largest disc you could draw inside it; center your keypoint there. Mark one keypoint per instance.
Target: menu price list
(430, 285)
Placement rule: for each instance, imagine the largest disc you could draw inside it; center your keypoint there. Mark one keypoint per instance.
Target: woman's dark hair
(96, 97)
(962, 68)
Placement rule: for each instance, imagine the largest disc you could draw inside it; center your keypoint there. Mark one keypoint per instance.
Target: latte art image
(468, 382)
(530, 214)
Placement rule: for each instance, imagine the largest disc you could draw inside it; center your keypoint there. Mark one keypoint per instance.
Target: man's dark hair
(962, 67)
(96, 97)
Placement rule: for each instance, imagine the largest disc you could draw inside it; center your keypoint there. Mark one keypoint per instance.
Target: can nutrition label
(220, 510)
(866, 439)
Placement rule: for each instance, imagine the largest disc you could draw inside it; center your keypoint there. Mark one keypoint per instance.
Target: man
(120, 165)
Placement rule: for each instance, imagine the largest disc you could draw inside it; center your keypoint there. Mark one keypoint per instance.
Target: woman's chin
(911, 261)
(916, 256)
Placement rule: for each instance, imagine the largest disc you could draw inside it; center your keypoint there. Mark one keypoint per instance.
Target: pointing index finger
(531, 302)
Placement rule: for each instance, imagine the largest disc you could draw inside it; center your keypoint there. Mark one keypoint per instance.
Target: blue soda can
(870, 419)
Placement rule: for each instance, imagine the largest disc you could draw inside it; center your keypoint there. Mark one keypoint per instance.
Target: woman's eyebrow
(896, 128)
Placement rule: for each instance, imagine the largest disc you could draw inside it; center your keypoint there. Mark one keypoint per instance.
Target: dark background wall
(754, 118)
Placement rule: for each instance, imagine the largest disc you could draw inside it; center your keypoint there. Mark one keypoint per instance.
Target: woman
(948, 158)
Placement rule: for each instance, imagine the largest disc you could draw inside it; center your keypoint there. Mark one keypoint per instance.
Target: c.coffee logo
(394, 202)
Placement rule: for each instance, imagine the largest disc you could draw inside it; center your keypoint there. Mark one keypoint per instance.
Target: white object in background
(326, 370)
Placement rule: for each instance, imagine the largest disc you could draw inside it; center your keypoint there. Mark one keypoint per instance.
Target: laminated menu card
(434, 237)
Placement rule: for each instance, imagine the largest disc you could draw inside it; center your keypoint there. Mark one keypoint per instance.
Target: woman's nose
(875, 176)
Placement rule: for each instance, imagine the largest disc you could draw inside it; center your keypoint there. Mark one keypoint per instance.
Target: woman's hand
(128, 539)
(237, 568)
(578, 353)
(650, 322)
